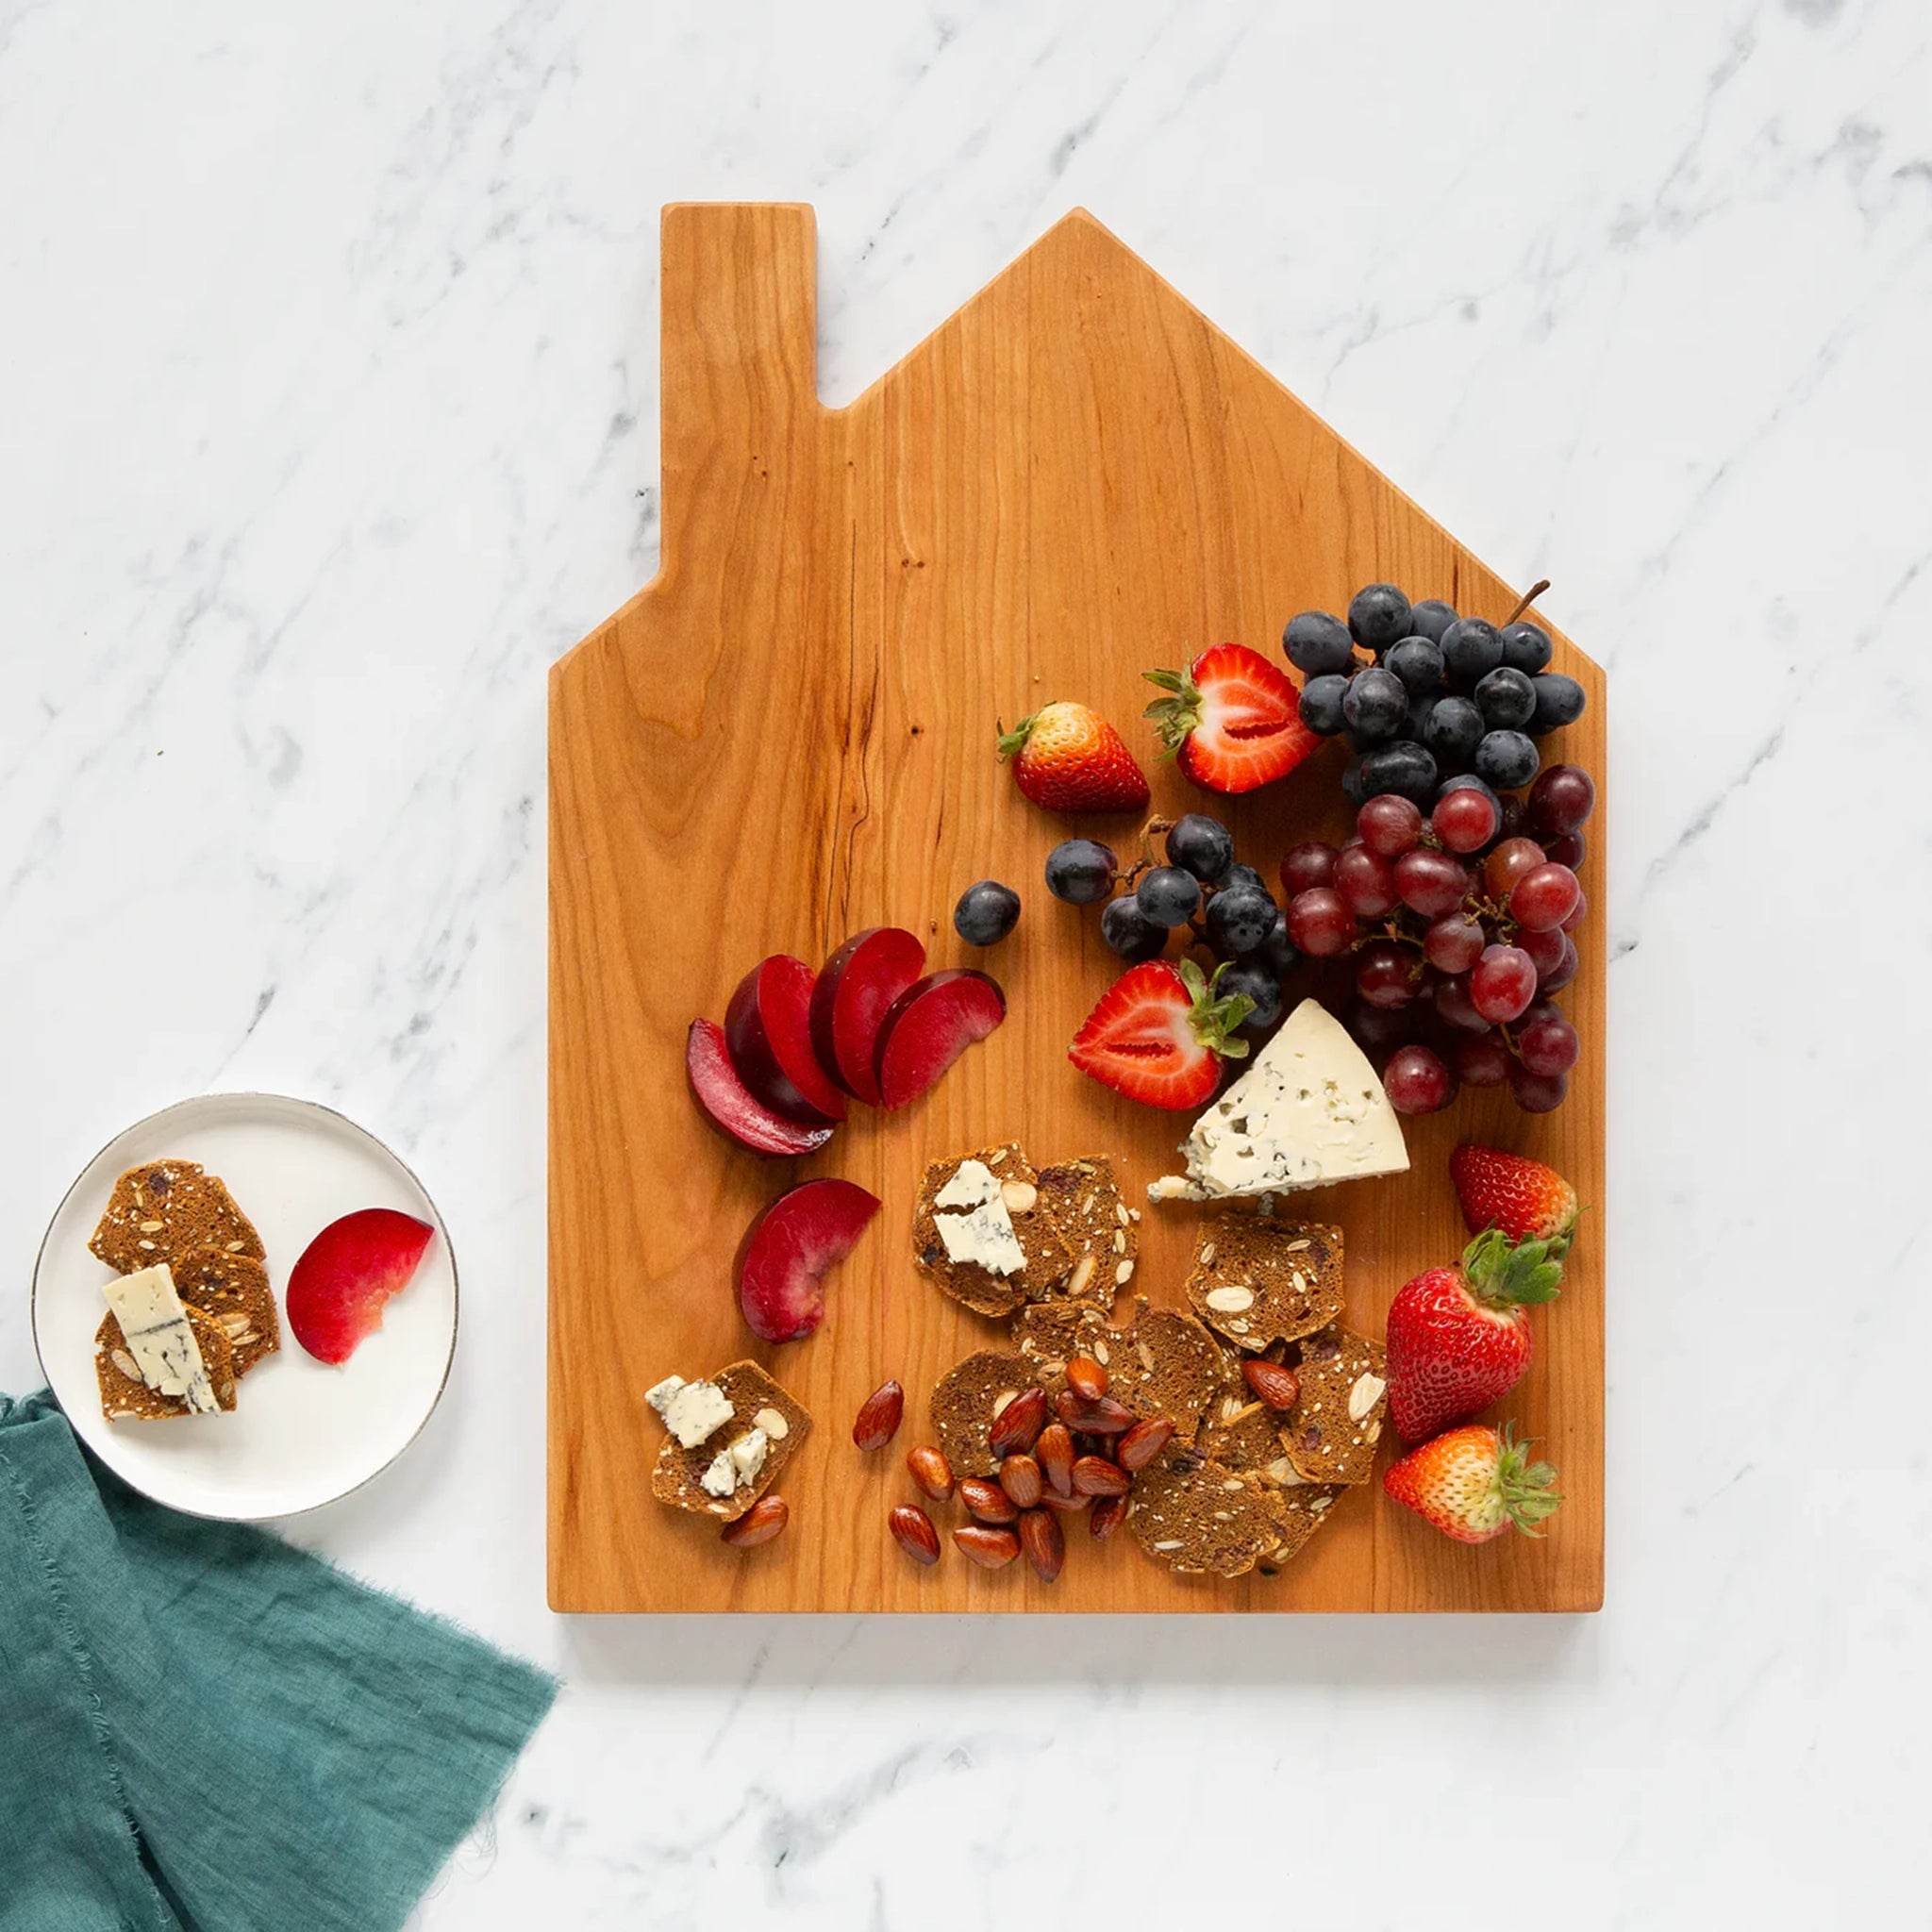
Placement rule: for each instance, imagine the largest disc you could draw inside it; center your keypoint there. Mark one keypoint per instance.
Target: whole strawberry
(1068, 758)
(1458, 1338)
(1474, 1483)
(1528, 1201)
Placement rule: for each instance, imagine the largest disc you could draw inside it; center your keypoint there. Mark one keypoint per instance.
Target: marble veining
(331, 412)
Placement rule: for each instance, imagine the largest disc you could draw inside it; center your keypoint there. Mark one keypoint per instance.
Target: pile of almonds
(1054, 1459)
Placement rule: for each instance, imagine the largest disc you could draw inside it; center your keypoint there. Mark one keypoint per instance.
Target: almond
(986, 1500)
(1232, 1300)
(1044, 1542)
(1105, 1417)
(1063, 1505)
(991, 1548)
(1020, 1477)
(1019, 1196)
(930, 1470)
(1364, 1396)
(1278, 1386)
(879, 1416)
(1017, 1427)
(1142, 1443)
(764, 1520)
(1086, 1379)
(1109, 1512)
(1083, 1273)
(1094, 1476)
(913, 1532)
(1055, 1450)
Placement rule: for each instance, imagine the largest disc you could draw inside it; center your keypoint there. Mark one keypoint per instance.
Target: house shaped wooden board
(788, 736)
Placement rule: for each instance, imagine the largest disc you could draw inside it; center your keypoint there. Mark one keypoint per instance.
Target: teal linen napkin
(205, 1729)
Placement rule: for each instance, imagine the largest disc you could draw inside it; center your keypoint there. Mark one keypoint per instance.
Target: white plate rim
(356, 1127)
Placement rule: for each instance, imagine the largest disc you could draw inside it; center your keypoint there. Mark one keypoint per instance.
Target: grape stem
(1147, 861)
(1529, 597)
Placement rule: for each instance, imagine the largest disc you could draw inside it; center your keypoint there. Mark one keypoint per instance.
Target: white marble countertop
(328, 341)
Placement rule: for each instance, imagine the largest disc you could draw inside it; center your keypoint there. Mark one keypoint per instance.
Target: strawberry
(1474, 1483)
(1233, 721)
(1528, 1201)
(1068, 758)
(1159, 1034)
(1458, 1338)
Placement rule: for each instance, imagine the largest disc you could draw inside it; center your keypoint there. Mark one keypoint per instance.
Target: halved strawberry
(1233, 721)
(1159, 1034)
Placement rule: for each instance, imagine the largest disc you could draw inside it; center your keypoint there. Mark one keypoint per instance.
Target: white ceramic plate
(301, 1433)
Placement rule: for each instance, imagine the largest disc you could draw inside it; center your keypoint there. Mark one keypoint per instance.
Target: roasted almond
(1109, 1512)
(991, 1548)
(1063, 1505)
(930, 1470)
(879, 1416)
(1086, 1379)
(986, 1500)
(1094, 1476)
(1278, 1386)
(1105, 1417)
(1017, 1427)
(764, 1520)
(1054, 1453)
(1142, 1443)
(1044, 1542)
(1021, 1480)
(913, 1532)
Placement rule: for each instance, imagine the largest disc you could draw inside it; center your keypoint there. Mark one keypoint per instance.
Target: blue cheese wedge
(693, 1411)
(736, 1466)
(1309, 1112)
(983, 1232)
(155, 1328)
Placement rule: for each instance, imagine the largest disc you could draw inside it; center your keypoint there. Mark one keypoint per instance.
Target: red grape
(1481, 1059)
(1465, 820)
(1389, 824)
(1386, 973)
(1560, 974)
(1508, 862)
(1545, 949)
(1382, 1029)
(1568, 848)
(1513, 812)
(1454, 943)
(1560, 800)
(1544, 897)
(1366, 882)
(1430, 883)
(1454, 1005)
(1535, 1093)
(1575, 915)
(1501, 983)
(1319, 923)
(1417, 1081)
(1548, 1045)
(1308, 865)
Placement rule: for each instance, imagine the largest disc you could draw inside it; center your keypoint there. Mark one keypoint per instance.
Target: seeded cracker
(1258, 1280)
(1199, 1516)
(124, 1395)
(1163, 1363)
(1298, 1514)
(163, 1210)
(233, 1291)
(1101, 1236)
(1047, 1257)
(1332, 1431)
(678, 1478)
(964, 1402)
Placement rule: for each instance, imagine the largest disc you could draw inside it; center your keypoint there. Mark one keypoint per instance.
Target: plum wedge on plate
(730, 1106)
(346, 1274)
(768, 1027)
(788, 1250)
(857, 987)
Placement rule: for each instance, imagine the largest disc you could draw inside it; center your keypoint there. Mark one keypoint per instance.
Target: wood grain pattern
(788, 735)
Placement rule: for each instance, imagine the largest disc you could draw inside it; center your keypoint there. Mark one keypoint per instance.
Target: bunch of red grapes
(1458, 929)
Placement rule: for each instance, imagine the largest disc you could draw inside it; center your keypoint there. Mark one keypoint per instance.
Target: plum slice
(730, 1106)
(931, 1023)
(768, 1028)
(336, 1291)
(787, 1251)
(856, 991)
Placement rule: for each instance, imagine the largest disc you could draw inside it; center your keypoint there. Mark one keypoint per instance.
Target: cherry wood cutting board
(788, 735)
